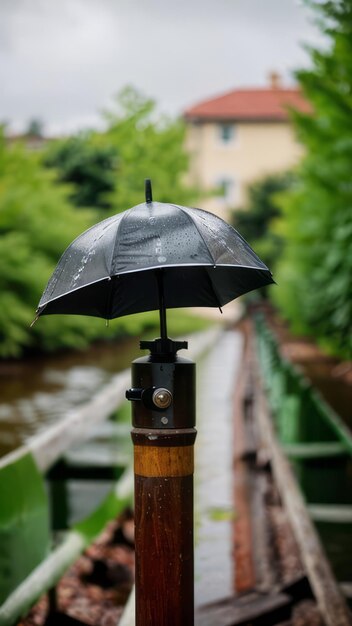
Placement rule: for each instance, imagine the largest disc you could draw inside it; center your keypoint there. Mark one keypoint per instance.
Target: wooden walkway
(214, 479)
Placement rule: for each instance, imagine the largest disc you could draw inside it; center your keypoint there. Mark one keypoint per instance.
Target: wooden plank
(245, 578)
(251, 608)
(331, 602)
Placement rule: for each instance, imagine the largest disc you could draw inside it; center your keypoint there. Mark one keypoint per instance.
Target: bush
(315, 274)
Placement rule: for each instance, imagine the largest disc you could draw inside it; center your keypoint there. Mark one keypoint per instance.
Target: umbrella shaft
(163, 328)
(162, 308)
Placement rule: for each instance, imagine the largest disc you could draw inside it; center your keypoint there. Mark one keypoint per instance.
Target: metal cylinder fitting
(172, 380)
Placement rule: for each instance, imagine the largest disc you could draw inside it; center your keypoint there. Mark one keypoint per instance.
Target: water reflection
(40, 390)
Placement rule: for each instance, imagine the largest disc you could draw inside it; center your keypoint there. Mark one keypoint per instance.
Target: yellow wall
(256, 150)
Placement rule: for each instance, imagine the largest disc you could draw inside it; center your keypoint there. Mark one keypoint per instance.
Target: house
(239, 137)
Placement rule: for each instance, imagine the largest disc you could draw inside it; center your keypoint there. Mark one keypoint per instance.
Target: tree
(315, 275)
(254, 221)
(35, 128)
(148, 146)
(36, 224)
(106, 170)
(89, 167)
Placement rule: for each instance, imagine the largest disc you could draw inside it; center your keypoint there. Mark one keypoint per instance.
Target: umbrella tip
(148, 190)
(35, 320)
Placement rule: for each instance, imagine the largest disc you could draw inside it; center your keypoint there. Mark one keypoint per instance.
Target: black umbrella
(153, 256)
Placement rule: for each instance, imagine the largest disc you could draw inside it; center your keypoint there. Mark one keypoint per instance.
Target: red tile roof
(249, 105)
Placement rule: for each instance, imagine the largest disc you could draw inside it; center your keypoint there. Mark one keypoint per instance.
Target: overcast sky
(62, 61)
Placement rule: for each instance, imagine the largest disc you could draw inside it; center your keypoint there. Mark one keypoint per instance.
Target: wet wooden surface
(253, 608)
(214, 475)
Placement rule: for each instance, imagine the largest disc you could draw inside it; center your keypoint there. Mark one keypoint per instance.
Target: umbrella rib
(185, 210)
(213, 290)
(109, 299)
(116, 242)
(66, 259)
(197, 229)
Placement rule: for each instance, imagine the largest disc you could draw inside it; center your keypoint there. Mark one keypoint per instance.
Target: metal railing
(291, 394)
(314, 438)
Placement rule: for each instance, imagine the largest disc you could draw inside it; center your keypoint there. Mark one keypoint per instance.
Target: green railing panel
(324, 480)
(342, 432)
(315, 450)
(288, 422)
(299, 412)
(24, 522)
(47, 572)
(314, 425)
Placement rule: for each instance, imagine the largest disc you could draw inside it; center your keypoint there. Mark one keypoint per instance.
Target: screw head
(162, 398)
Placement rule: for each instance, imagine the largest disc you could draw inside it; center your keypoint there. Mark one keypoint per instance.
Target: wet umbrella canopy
(110, 270)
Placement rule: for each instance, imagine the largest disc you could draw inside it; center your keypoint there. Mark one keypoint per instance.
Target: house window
(226, 133)
(227, 189)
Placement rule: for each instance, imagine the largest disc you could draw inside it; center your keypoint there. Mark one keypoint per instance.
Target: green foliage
(107, 169)
(149, 146)
(254, 221)
(88, 166)
(315, 275)
(36, 224)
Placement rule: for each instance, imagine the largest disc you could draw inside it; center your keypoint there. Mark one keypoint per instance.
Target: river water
(37, 391)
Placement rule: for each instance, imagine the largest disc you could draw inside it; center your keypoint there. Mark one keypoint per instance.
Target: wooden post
(164, 527)
(163, 438)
